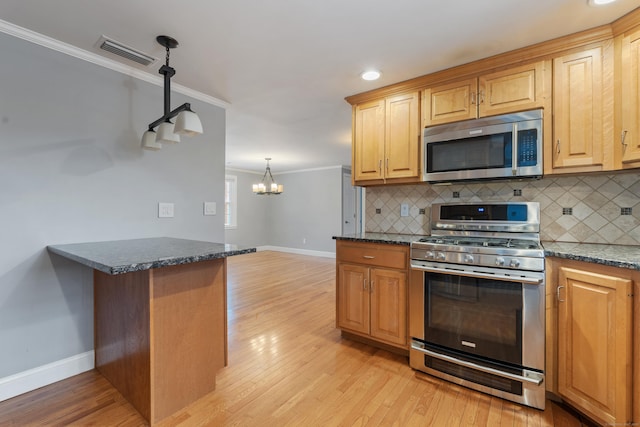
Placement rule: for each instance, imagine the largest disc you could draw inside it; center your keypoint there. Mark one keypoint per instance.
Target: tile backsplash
(590, 208)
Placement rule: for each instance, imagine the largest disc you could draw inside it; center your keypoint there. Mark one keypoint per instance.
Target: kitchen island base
(160, 334)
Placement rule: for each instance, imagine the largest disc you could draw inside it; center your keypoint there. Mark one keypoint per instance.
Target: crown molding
(84, 55)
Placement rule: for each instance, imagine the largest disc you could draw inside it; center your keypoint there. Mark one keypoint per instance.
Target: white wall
(71, 170)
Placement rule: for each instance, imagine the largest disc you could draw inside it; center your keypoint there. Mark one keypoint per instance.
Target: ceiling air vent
(127, 52)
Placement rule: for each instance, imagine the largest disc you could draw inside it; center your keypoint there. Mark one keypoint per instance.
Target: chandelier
(187, 123)
(268, 185)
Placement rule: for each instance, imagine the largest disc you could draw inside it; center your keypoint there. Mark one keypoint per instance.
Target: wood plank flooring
(289, 366)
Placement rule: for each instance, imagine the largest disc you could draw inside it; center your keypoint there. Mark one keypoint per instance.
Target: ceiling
(285, 66)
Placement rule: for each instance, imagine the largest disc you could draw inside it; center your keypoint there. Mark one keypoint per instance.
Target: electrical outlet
(404, 209)
(165, 210)
(209, 208)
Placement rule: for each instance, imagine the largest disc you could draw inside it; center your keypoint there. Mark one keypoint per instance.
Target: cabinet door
(368, 140)
(578, 110)
(389, 305)
(353, 298)
(630, 98)
(402, 140)
(594, 343)
(450, 103)
(516, 89)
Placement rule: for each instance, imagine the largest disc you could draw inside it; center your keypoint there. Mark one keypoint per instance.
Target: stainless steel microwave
(498, 147)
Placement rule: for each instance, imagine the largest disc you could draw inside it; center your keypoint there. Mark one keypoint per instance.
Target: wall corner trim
(323, 254)
(41, 376)
(94, 58)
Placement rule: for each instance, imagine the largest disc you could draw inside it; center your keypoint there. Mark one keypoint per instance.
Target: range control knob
(468, 258)
(429, 254)
(500, 261)
(515, 263)
(441, 256)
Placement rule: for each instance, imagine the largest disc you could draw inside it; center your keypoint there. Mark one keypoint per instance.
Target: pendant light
(186, 123)
(268, 185)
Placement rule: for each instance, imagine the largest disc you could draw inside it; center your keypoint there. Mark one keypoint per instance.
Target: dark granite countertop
(124, 256)
(622, 256)
(614, 255)
(388, 238)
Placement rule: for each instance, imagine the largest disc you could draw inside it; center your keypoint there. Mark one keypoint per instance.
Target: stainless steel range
(477, 299)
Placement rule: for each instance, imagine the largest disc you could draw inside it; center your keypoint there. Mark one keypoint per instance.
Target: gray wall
(253, 213)
(310, 208)
(71, 170)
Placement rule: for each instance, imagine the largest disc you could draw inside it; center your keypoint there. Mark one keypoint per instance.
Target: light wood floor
(288, 366)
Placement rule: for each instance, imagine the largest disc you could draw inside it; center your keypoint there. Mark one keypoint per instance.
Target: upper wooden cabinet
(386, 139)
(582, 112)
(514, 89)
(587, 83)
(626, 140)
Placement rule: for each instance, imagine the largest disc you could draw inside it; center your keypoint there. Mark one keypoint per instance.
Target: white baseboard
(323, 254)
(41, 376)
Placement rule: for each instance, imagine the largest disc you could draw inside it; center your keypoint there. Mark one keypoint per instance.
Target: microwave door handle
(514, 150)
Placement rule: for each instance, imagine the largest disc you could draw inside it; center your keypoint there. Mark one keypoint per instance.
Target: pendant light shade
(166, 133)
(188, 123)
(149, 141)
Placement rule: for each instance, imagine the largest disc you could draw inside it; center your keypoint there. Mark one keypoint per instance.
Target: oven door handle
(536, 379)
(527, 280)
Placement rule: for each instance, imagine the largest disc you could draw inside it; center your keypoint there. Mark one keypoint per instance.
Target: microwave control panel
(527, 147)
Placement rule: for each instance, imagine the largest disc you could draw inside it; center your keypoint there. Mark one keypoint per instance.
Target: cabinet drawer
(375, 254)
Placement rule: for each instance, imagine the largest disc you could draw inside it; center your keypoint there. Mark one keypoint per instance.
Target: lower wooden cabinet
(371, 295)
(591, 337)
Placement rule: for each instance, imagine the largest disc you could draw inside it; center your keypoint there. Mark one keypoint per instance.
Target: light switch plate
(404, 209)
(209, 208)
(165, 210)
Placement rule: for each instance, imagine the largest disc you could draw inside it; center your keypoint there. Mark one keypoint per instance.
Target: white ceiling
(285, 66)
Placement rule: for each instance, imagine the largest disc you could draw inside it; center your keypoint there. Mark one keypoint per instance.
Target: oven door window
(477, 316)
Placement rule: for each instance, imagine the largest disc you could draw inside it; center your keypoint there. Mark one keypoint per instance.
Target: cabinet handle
(622, 138)
(481, 97)
(558, 147)
(558, 293)
(371, 287)
(473, 98)
(364, 284)
(387, 165)
(368, 256)
(380, 165)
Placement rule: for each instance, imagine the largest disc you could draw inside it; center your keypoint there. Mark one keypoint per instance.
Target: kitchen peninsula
(160, 328)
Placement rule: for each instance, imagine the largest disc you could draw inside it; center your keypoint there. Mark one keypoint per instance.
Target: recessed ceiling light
(599, 2)
(370, 75)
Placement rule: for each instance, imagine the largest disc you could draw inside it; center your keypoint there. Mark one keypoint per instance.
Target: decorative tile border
(589, 208)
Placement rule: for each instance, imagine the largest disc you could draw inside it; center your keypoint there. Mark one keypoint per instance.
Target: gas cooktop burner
(502, 235)
(481, 242)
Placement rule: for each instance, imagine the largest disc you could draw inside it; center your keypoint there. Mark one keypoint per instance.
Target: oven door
(480, 327)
